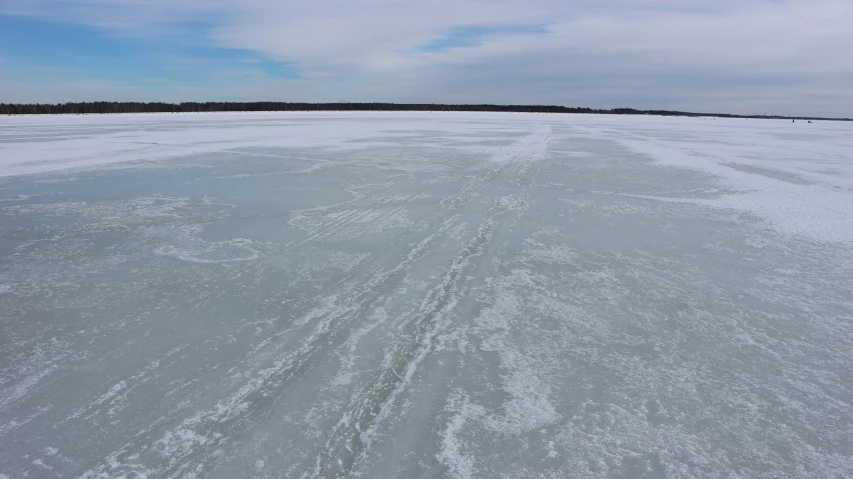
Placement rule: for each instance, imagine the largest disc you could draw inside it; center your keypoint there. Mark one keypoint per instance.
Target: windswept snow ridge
(425, 295)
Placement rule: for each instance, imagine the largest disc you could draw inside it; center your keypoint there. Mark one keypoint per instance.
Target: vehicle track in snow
(196, 440)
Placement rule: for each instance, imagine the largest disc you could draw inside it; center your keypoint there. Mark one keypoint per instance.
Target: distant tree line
(194, 107)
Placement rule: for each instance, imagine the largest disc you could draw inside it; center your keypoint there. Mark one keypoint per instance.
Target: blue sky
(745, 56)
(45, 50)
(470, 36)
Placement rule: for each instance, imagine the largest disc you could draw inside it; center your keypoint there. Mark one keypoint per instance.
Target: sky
(735, 56)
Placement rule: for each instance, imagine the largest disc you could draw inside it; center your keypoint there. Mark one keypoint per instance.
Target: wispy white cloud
(785, 56)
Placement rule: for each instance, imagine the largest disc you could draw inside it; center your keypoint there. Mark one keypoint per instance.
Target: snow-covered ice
(425, 295)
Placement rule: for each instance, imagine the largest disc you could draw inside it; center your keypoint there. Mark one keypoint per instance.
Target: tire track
(354, 433)
(195, 441)
(199, 436)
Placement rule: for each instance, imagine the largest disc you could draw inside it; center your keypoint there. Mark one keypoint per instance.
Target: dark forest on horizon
(101, 107)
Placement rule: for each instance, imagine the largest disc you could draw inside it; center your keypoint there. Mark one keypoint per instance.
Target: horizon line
(127, 107)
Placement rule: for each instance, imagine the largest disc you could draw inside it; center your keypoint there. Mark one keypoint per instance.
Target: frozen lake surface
(425, 295)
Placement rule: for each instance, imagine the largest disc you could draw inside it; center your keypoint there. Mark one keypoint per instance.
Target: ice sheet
(425, 295)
